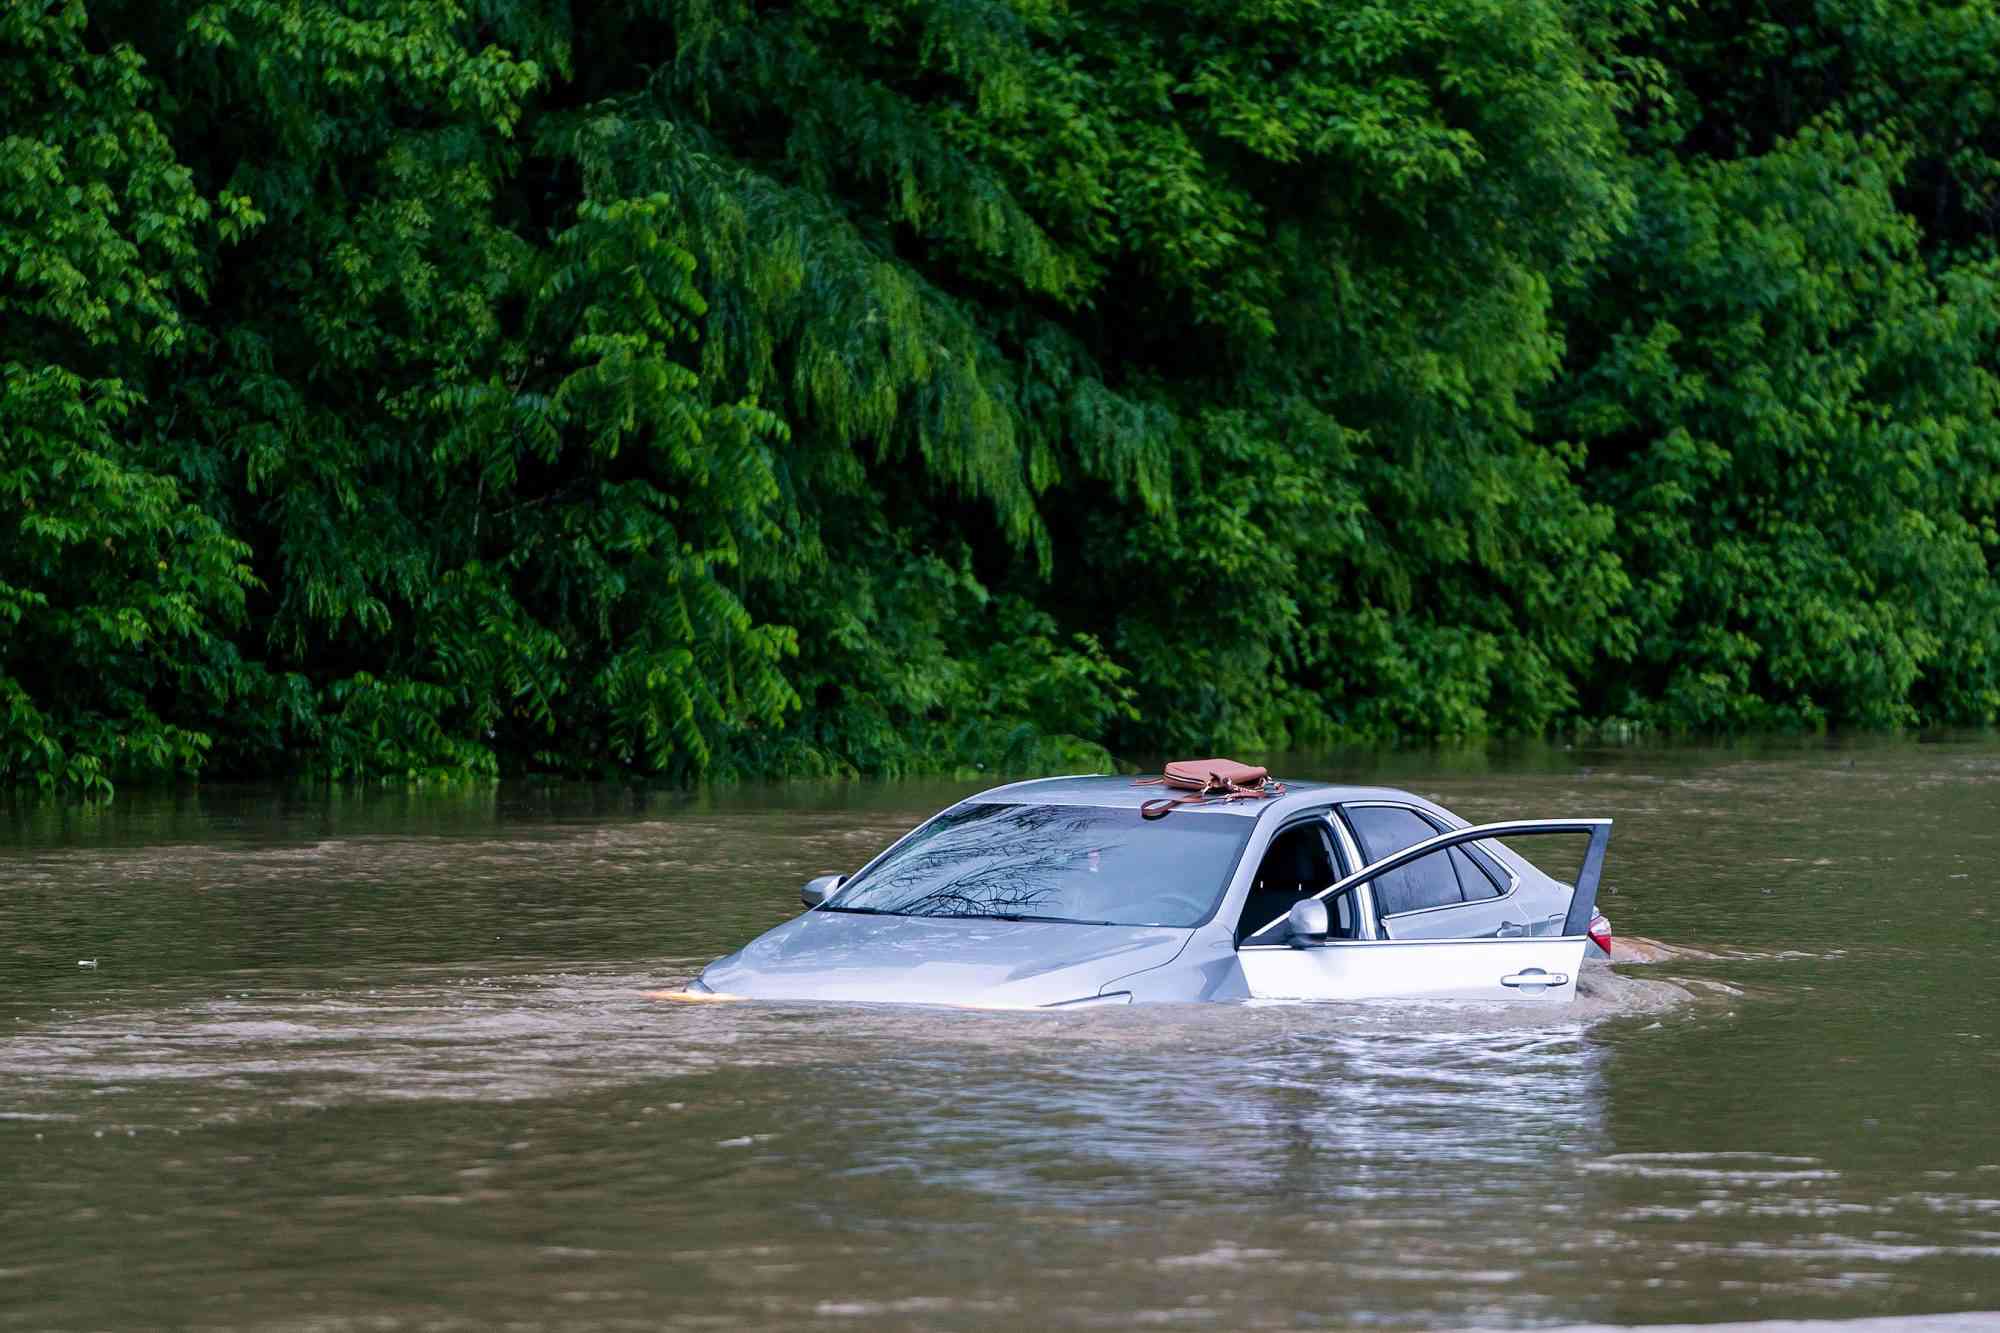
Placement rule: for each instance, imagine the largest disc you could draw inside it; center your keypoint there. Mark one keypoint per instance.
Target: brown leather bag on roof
(1208, 780)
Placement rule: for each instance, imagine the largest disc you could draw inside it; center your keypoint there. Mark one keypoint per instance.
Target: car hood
(939, 960)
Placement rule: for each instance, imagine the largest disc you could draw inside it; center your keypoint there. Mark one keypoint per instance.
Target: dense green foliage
(405, 387)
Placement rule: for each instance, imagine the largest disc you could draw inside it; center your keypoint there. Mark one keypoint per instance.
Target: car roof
(1116, 792)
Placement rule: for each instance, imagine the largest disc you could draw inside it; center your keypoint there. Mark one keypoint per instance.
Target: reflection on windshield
(1055, 862)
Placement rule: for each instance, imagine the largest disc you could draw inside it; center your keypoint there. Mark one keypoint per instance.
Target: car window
(1429, 881)
(1343, 919)
(1475, 882)
(1073, 863)
(1300, 862)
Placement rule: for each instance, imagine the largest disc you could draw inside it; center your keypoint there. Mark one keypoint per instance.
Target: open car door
(1504, 967)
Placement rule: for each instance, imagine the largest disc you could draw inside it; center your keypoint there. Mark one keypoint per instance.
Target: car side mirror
(819, 888)
(1308, 921)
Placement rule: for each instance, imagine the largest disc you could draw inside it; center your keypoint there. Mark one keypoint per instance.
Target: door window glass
(1384, 829)
(1429, 881)
(1343, 919)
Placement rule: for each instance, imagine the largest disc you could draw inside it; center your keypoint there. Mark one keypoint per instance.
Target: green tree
(1796, 422)
(117, 592)
(401, 388)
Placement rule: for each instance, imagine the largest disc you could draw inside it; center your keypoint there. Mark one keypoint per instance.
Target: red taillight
(1600, 931)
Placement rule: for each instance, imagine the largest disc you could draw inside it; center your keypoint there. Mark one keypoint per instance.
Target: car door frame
(1532, 970)
(1583, 892)
(1346, 852)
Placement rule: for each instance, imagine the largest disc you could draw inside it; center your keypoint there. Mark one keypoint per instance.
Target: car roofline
(1111, 791)
(1030, 782)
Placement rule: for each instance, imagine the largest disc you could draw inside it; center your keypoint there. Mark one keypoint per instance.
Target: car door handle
(1534, 976)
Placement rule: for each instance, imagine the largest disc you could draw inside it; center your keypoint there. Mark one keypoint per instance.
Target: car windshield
(1082, 864)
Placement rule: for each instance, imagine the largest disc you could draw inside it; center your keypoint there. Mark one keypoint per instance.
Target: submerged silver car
(1057, 894)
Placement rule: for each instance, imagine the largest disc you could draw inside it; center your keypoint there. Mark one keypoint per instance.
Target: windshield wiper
(963, 916)
(1028, 916)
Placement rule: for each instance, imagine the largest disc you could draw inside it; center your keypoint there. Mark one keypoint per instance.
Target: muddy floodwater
(386, 1062)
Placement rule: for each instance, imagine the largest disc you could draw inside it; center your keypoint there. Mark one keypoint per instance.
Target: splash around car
(1060, 893)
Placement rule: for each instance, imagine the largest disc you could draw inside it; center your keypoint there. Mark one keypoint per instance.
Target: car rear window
(1083, 864)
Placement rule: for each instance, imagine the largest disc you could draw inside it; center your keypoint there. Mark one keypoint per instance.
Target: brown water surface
(384, 1062)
